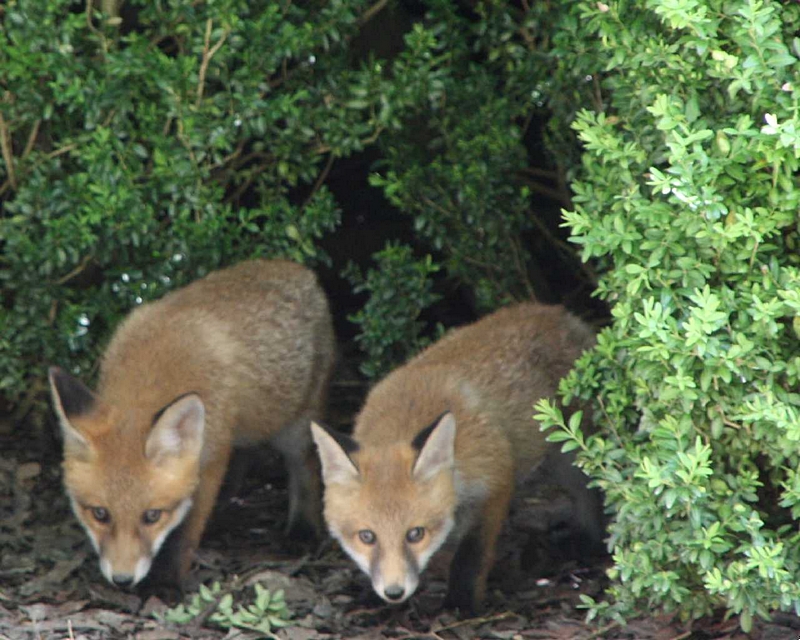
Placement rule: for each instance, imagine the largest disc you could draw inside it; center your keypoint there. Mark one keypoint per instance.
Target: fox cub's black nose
(394, 592)
(122, 580)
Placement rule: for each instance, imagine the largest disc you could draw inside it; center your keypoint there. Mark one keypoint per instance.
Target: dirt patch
(51, 586)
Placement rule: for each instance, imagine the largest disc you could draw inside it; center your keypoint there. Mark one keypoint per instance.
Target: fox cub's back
(258, 334)
(496, 368)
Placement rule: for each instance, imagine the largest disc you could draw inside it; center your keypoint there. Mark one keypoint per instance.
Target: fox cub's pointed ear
(71, 400)
(436, 445)
(333, 449)
(177, 430)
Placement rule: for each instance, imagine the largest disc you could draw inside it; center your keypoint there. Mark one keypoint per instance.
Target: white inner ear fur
(438, 451)
(179, 430)
(74, 441)
(337, 467)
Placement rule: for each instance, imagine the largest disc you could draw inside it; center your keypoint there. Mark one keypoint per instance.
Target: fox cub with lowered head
(238, 357)
(439, 444)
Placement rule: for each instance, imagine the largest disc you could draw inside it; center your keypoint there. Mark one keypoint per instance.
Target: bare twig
(167, 125)
(602, 631)
(324, 148)
(371, 12)
(111, 8)
(516, 253)
(437, 206)
(31, 139)
(53, 154)
(93, 29)
(230, 157)
(211, 607)
(62, 150)
(548, 192)
(320, 179)
(77, 270)
(597, 94)
(475, 621)
(246, 184)
(185, 142)
(207, 55)
(8, 153)
(89, 7)
(417, 636)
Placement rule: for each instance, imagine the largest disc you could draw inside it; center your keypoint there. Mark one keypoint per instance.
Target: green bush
(459, 165)
(400, 288)
(141, 151)
(146, 146)
(688, 198)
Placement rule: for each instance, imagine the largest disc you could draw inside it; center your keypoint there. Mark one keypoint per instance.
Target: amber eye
(366, 536)
(101, 514)
(151, 516)
(416, 534)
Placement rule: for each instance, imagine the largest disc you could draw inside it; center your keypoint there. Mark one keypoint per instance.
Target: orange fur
(488, 375)
(240, 356)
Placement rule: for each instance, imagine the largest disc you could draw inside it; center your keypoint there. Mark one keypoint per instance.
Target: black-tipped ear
(334, 449)
(70, 395)
(422, 437)
(436, 448)
(71, 399)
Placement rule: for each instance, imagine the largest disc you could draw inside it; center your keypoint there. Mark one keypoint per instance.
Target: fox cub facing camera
(439, 444)
(240, 356)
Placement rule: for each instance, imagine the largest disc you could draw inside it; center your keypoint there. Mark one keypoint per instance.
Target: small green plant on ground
(268, 611)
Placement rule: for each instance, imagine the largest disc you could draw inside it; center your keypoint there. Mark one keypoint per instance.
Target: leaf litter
(51, 587)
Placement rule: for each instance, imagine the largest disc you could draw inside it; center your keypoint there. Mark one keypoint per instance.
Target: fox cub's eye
(151, 516)
(101, 514)
(416, 534)
(366, 536)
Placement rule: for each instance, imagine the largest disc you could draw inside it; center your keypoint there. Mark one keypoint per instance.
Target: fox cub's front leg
(474, 556)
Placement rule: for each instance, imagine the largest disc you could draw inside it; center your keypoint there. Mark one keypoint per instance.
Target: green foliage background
(687, 197)
(142, 148)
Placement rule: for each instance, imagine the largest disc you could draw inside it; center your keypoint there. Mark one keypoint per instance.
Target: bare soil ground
(51, 587)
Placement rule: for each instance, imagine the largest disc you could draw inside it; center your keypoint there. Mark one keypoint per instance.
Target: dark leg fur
(302, 466)
(465, 570)
(242, 460)
(301, 530)
(475, 554)
(163, 579)
(559, 468)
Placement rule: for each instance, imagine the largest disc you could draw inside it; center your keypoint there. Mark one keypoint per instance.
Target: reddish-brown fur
(488, 375)
(254, 343)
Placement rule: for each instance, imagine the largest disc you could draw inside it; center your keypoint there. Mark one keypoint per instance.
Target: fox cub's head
(391, 507)
(129, 486)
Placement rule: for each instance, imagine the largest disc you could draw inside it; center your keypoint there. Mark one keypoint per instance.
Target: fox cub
(240, 356)
(439, 445)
